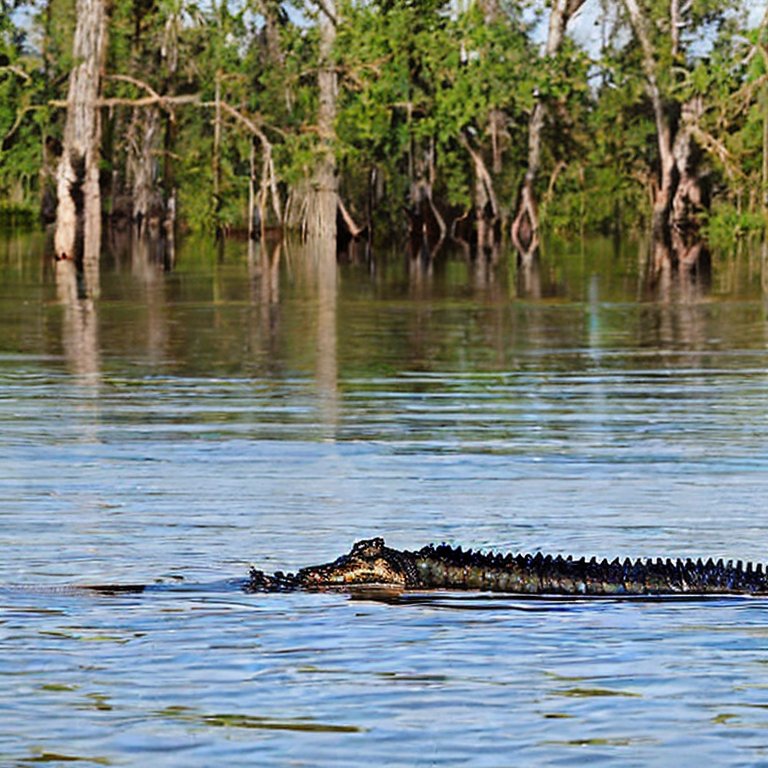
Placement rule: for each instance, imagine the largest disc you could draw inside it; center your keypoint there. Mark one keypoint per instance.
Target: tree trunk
(252, 199)
(665, 189)
(78, 216)
(487, 212)
(486, 204)
(667, 180)
(688, 199)
(216, 157)
(142, 141)
(322, 204)
(678, 196)
(764, 174)
(169, 194)
(427, 228)
(525, 225)
(270, 11)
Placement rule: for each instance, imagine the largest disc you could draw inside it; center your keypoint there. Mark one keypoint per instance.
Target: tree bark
(763, 97)
(77, 237)
(525, 225)
(688, 199)
(322, 204)
(427, 227)
(678, 196)
(216, 157)
(486, 204)
(665, 190)
(142, 141)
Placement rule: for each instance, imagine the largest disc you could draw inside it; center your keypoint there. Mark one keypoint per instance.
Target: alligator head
(369, 562)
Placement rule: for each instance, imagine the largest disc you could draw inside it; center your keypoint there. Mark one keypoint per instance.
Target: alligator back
(446, 567)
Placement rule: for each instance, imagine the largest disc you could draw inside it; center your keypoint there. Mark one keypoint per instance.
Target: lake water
(239, 411)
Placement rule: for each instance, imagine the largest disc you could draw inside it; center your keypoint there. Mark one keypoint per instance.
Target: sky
(585, 27)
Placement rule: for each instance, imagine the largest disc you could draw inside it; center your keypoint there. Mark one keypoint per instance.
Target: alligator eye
(368, 547)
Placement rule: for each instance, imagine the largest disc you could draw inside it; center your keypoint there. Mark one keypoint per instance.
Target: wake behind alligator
(371, 562)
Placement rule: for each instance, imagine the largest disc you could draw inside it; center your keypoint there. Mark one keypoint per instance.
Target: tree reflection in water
(79, 328)
(320, 256)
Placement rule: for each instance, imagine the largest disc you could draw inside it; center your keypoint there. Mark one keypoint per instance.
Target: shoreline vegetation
(480, 124)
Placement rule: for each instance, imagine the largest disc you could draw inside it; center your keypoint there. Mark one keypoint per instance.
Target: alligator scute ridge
(370, 562)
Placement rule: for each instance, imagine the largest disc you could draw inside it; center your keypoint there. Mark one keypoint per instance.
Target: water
(238, 412)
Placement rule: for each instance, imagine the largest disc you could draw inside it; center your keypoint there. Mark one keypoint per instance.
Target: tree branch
(327, 11)
(18, 71)
(16, 123)
(147, 101)
(354, 228)
(716, 148)
(134, 81)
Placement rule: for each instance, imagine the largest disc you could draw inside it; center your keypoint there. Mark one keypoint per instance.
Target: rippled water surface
(247, 410)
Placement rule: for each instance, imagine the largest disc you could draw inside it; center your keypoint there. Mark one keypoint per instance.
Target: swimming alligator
(371, 563)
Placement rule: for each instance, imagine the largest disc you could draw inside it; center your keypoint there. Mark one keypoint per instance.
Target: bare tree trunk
(525, 225)
(486, 204)
(487, 212)
(678, 196)
(78, 216)
(141, 162)
(764, 175)
(497, 121)
(665, 190)
(763, 100)
(323, 198)
(216, 157)
(252, 198)
(170, 54)
(426, 224)
(270, 10)
(688, 199)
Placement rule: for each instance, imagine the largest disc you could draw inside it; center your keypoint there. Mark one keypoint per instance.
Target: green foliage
(421, 84)
(419, 79)
(14, 216)
(21, 117)
(727, 223)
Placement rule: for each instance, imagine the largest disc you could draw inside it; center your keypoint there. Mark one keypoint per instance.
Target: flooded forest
(485, 126)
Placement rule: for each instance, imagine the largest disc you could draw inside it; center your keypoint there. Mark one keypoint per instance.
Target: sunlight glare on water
(191, 423)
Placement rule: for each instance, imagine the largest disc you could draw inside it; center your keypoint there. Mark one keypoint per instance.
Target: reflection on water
(147, 266)
(262, 405)
(321, 258)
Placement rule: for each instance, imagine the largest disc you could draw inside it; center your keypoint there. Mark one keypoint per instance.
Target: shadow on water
(484, 601)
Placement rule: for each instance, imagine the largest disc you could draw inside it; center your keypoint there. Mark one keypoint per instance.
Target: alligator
(371, 566)
(371, 563)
